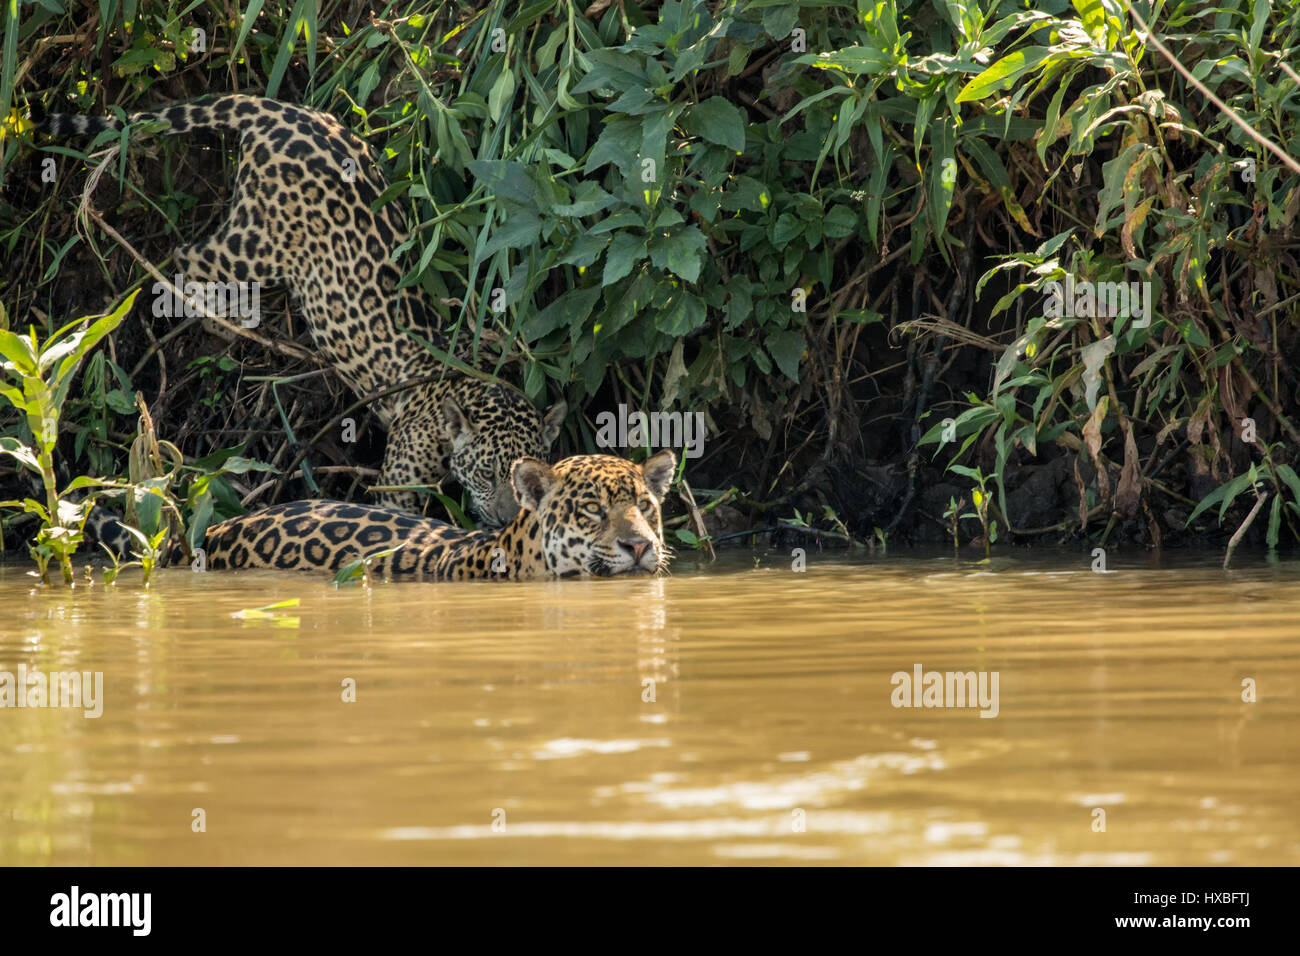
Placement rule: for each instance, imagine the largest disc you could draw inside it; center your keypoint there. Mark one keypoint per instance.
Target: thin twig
(1260, 498)
(322, 470)
(684, 492)
(818, 533)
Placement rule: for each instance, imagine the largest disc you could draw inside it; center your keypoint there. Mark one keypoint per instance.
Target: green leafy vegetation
(845, 231)
(38, 376)
(357, 571)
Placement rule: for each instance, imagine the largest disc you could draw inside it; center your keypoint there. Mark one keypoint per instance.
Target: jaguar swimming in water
(589, 515)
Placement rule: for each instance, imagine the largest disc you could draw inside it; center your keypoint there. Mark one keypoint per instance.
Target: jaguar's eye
(595, 509)
(647, 505)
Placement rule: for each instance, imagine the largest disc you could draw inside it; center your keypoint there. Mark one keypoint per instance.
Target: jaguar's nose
(635, 546)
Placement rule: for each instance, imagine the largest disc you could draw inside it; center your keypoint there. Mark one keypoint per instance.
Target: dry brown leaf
(1083, 496)
(1196, 424)
(1228, 395)
(1092, 438)
(1153, 526)
(1129, 491)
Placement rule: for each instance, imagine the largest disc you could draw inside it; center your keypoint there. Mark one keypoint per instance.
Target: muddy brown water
(730, 713)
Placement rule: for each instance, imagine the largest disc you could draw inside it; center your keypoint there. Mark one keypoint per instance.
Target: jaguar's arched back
(302, 214)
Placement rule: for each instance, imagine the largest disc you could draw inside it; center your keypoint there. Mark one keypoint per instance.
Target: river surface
(738, 712)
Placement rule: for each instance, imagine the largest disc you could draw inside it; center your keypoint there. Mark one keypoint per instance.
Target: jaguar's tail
(233, 111)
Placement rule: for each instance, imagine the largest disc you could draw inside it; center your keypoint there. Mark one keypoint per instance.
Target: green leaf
(501, 95)
(585, 250)
(85, 481)
(682, 253)
(685, 315)
(617, 221)
(200, 520)
(590, 198)
(841, 221)
(570, 309)
(1193, 334)
(854, 60)
(9, 56)
(1224, 496)
(625, 251)
(1092, 14)
(250, 16)
(943, 173)
(1118, 177)
(1004, 72)
(788, 226)
(505, 180)
(779, 19)
(1292, 481)
(746, 192)
(970, 422)
(253, 613)
(18, 351)
(16, 449)
(301, 21)
(618, 144)
(1259, 21)
(995, 172)
(236, 465)
(520, 230)
(717, 121)
(89, 339)
(786, 347)
(613, 70)
(1274, 522)
(120, 402)
(454, 509)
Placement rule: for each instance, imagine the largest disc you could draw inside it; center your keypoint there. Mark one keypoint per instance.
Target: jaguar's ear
(658, 470)
(532, 480)
(552, 423)
(453, 417)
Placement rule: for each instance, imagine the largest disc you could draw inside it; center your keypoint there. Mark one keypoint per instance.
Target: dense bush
(833, 228)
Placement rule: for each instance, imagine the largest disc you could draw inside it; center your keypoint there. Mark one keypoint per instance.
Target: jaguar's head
(598, 515)
(484, 449)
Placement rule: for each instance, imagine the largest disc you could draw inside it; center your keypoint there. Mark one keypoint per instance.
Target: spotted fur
(590, 515)
(301, 215)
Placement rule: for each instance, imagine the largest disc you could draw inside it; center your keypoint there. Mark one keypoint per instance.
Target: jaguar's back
(301, 214)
